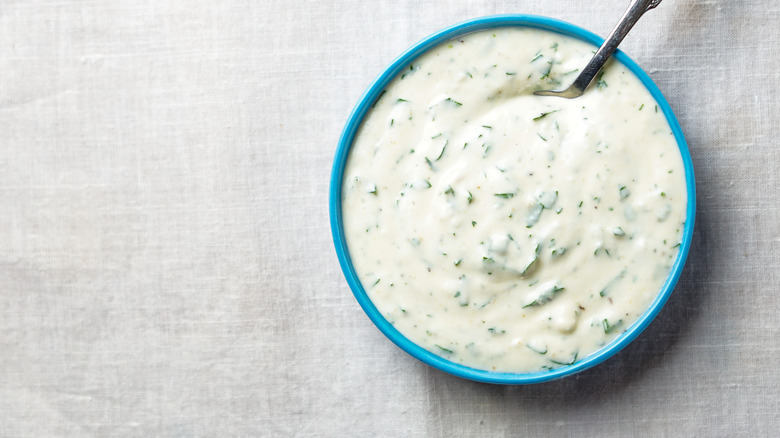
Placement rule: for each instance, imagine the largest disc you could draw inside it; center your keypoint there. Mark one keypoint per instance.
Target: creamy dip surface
(506, 231)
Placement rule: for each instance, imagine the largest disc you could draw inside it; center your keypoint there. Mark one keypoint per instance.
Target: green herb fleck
(504, 195)
(543, 115)
(446, 350)
(612, 283)
(443, 148)
(378, 97)
(566, 363)
(549, 69)
(535, 214)
(546, 296)
(535, 350)
(609, 328)
(601, 83)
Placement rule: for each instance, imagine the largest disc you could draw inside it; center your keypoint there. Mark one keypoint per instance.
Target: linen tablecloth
(166, 265)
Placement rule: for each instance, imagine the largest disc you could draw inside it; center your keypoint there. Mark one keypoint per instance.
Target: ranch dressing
(506, 231)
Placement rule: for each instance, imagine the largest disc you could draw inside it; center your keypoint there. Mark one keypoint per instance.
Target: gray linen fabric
(166, 266)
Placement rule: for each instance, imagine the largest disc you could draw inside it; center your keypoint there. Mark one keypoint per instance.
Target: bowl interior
(345, 143)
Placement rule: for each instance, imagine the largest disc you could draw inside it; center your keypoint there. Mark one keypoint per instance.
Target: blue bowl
(337, 227)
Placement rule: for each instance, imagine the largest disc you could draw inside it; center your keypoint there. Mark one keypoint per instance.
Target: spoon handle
(627, 21)
(635, 10)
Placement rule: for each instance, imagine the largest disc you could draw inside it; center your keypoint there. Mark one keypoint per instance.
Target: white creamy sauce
(506, 231)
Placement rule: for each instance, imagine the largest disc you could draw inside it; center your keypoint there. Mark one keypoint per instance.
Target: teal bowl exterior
(337, 228)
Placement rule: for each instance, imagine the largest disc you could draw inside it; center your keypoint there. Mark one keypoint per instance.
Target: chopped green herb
(378, 97)
(601, 83)
(470, 197)
(543, 115)
(641, 106)
(546, 296)
(504, 195)
(558, 252)
(443, 148)
(540, 136)
(535, 350)
(449, 99)
(401, 100)
(618, 232)
(457, 263)
(549, 69)
(446, 350)
(610, 328)
(534, 215)
(566, 363)
(548, 199)
(531, 266)
(612, 283)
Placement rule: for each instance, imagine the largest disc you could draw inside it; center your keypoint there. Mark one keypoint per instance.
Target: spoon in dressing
(627, 21)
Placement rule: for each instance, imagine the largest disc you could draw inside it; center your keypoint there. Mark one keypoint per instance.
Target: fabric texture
(166, 265)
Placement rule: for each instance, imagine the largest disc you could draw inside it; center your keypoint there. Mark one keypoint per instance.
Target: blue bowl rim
(342, 152)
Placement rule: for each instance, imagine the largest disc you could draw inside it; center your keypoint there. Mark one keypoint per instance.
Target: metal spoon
(627, 21)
